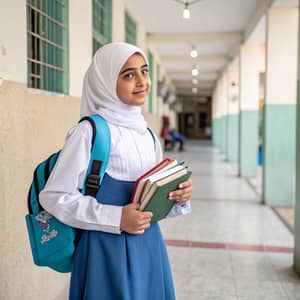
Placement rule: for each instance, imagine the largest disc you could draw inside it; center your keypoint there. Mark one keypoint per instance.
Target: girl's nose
(140, 81)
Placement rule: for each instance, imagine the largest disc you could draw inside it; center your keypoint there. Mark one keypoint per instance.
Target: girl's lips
(140, 93)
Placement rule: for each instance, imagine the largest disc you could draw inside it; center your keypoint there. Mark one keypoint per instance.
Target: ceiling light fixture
(194, 90)
(195, 71)
(186, 12)
(195, 81)
(194, 52)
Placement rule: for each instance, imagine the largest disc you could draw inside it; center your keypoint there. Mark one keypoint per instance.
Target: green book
(157, 200)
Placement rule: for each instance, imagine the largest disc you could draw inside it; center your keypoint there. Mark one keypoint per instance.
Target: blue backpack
(52, 242)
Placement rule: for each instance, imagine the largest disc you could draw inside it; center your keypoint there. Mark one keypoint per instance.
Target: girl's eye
(145, 71)
(129, 75)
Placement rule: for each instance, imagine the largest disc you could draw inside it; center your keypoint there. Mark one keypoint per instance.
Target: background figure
(177, 138)
(170, 136)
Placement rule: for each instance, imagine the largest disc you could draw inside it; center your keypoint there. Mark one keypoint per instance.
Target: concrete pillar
(214, 118)
(118, 16)
(249, 104)
(232, 151)
(223, 110)
(80, 44)
(280, 107)
(297, 202)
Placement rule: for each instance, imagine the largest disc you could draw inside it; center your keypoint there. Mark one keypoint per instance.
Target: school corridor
(231, 247)
(226, 76)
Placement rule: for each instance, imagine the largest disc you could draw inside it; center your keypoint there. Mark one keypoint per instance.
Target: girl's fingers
(182, 193)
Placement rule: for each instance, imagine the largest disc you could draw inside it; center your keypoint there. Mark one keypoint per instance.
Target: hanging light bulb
(195, 81)
(195, 71)
(186, 12)
(194, 52)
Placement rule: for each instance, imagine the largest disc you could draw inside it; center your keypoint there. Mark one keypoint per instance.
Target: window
(102, 24)
(130, 29)
(47, 45)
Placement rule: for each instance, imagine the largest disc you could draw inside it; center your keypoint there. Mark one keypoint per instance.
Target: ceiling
(216, 28)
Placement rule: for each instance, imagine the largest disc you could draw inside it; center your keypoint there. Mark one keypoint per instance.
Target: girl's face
(133, 84)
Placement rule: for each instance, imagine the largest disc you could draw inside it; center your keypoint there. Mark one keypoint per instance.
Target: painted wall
(13, 41)
(282, 47)
(34, 124)
(118, 28)
(80, 43)
(250, 58)
(232, 151)
(280, 107)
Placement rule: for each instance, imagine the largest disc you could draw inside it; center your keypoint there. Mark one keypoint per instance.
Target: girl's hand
(183, 194)
(134, 221)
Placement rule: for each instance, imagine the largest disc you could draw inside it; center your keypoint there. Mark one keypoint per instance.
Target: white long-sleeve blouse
(132, 154)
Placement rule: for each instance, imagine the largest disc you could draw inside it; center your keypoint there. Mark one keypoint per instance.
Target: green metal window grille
(47, 45)
(150, 100)
(130, 30)
(102, 23)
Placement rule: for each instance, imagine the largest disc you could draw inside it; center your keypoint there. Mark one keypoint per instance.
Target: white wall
(13, 41)
(118, 28)
(281, 70)
(80, 43)
(249, 77)
(233, 91)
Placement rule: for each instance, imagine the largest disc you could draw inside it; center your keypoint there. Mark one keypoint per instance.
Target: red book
(138, 188)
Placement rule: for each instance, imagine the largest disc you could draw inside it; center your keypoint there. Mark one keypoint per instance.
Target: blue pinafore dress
(120, 267)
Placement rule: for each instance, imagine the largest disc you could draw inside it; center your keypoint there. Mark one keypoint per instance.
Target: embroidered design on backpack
(43, 218)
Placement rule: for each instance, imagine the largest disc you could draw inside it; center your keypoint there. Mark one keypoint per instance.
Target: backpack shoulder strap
(99, 154)
(153, 137)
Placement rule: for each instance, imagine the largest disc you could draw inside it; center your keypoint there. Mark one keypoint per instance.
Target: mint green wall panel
(232, 152)
(218, 138)
(279, 154)
(248, 149)
(214, 131)
(223, 132)
(297, 204)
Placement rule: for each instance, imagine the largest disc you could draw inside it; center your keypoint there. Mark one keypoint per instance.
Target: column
(249, 103)
(232, 152)
(223, 109)
(217, 115)
(280, 107)
(214, 118)
(297, 204)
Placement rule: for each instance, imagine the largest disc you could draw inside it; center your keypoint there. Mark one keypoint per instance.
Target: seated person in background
(168, 140)
(177, 138)
(170, 136)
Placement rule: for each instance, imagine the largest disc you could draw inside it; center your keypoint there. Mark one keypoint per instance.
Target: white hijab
(99, 93)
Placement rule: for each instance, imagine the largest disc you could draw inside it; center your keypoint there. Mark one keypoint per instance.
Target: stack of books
(152, 188)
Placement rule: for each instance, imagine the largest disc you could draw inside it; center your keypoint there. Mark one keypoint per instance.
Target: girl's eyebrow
(132, 69)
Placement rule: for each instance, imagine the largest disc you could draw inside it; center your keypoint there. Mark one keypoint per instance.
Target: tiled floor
(288, 215)
(231, 247)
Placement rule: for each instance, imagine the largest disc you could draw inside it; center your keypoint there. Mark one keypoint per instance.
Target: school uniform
(110, 264)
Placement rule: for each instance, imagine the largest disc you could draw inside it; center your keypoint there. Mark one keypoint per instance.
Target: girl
(119, 256)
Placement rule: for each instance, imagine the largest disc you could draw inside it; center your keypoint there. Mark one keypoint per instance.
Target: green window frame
(130, 30)
(150, 99)
(102, 23)
(48, 45)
